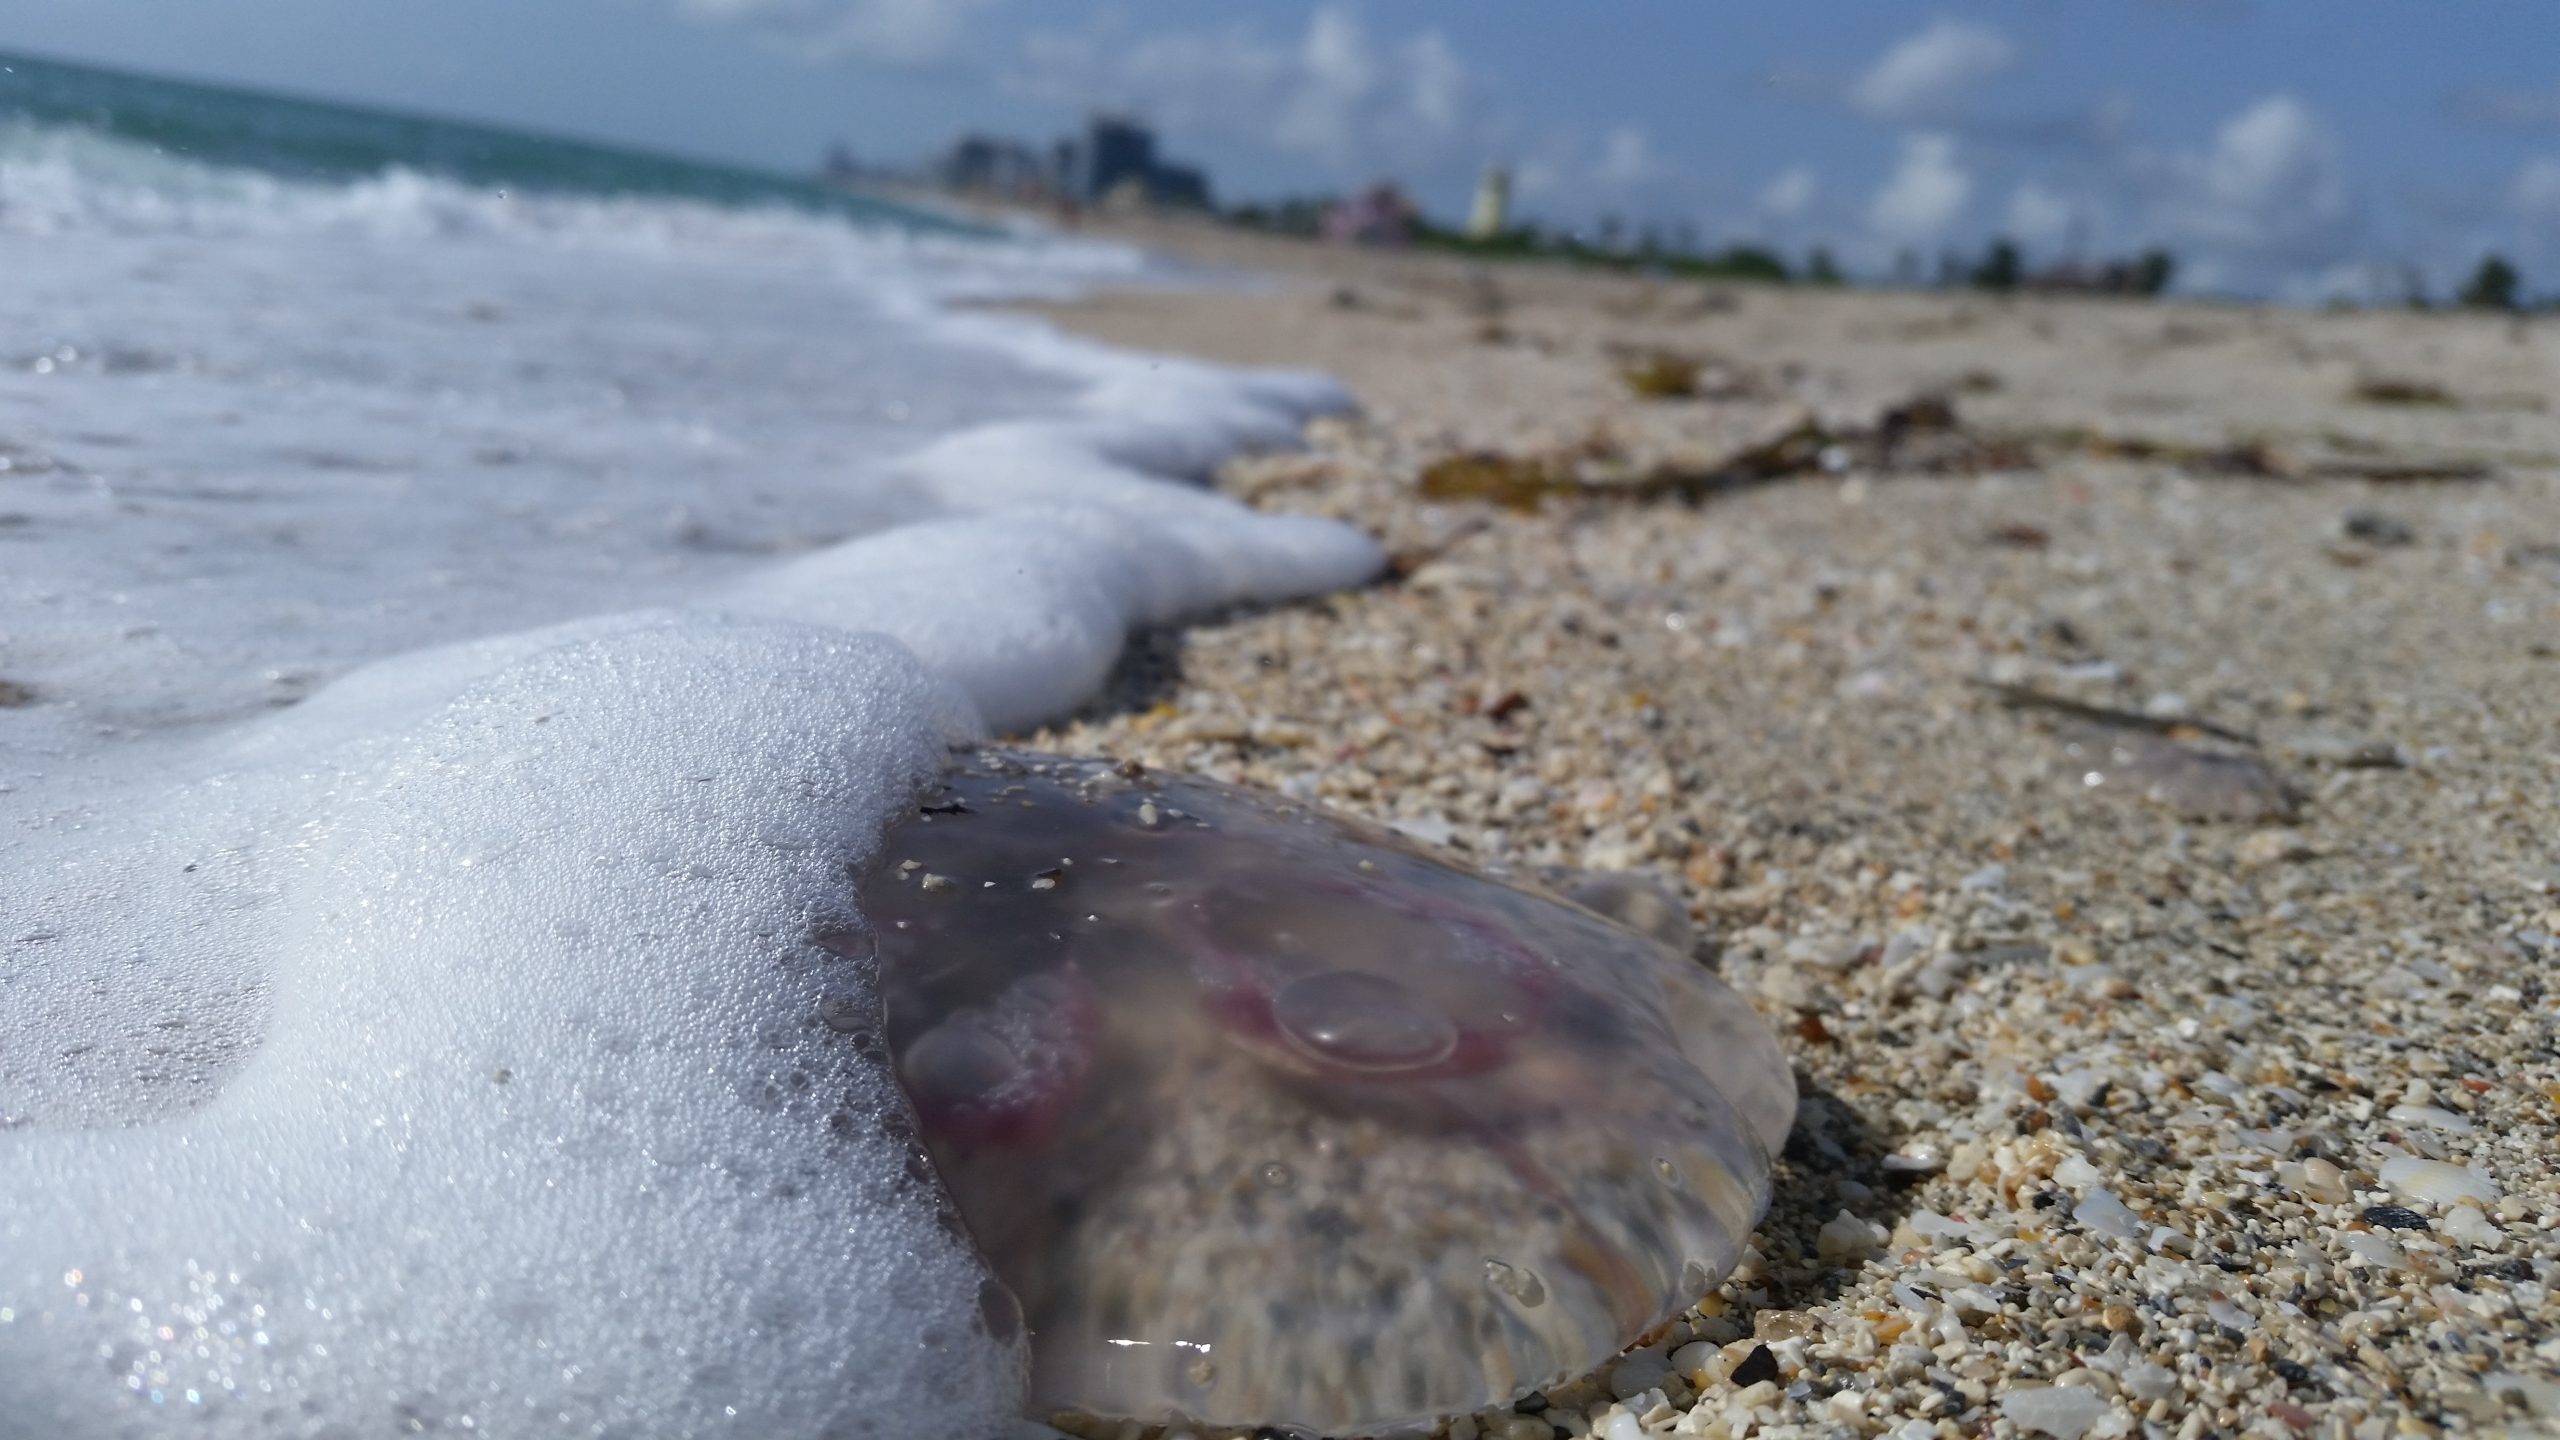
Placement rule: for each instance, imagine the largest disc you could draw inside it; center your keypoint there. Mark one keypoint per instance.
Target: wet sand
(2214, 1094)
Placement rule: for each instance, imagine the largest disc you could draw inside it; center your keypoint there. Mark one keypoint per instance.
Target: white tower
(1493, 204)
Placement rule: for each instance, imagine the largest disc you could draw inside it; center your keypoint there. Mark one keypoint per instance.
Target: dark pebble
(2394, 1217)
(2294, 1372)
(2377, 528)
(1757, 1366)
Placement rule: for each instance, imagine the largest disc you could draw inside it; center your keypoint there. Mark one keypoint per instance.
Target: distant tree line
(2001, 266)
(2493, 286)
(1607, 249)
(1608, 246)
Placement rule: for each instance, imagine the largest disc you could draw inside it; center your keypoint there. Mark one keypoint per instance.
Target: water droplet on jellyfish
(1521, 1285)
(955, 1063)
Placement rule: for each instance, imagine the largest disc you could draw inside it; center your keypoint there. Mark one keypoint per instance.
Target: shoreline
(2161, 1102)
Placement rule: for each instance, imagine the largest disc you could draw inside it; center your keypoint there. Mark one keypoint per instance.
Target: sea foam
(439, 1051)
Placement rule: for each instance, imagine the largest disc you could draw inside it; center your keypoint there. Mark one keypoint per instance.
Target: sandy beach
(524, 550)
(2112, 741)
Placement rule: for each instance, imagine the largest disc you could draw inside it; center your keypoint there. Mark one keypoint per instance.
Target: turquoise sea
(322, 141)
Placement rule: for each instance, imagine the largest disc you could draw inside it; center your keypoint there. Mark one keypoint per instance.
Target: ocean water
(466, 599)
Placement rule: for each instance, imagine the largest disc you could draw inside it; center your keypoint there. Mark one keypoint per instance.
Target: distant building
(1379, 215)
(1492, 213)
(1117, 150)
(1115, 158)
(2145, 274)
(993, 164)
(1184, 187)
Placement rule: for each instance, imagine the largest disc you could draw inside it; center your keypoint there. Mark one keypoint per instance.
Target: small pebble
(2147, 1382)
(2466, 1224)
(1846, 1237)
(2064, 1412)
(2376, 527)
(1753, 1396)
(2436, 1181)
(2430, 1117)
(2325, 1182)
(2105, 1214)
(1695, 1362)
(2378, 1251)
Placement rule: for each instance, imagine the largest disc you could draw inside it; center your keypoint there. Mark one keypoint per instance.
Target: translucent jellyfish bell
(1269, 1119)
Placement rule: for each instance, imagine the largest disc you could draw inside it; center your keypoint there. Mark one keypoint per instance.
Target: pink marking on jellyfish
(1005, 1073)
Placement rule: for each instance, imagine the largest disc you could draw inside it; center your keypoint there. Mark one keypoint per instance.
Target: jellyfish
(1267, 1118)
(2188, 778)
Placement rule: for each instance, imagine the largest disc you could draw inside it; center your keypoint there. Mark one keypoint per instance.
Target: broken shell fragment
(1271, 1119)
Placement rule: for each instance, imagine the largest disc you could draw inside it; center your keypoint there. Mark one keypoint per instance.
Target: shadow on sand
(1833, 1162)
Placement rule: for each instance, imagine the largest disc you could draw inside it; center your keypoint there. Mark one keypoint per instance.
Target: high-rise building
(1492, 212)
(1116, 148)
(1115, 156)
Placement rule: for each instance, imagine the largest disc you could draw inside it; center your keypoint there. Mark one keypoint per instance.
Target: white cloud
(2039, 219)
(887, 32)
(1789, 195)
(1930, 76)
(2536, 191)
(1336, 94)
(1435, 80)
(2265, 208)
(2273, 181)
(2276, 154)
(1337, 72)
(1926, 193)
(1626, 158)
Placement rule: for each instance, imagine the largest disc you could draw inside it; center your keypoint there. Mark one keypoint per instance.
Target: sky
(2305, 149)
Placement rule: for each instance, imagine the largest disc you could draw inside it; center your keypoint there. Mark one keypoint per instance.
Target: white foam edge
(586, 859)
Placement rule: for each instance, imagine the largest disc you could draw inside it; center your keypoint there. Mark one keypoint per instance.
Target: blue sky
(2305, 149)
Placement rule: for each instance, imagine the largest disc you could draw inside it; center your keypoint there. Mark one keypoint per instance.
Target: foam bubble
(454, 1042)
(537, 1129)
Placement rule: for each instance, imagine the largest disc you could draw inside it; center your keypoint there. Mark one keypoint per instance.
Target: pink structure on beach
(1379, 215)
